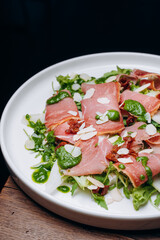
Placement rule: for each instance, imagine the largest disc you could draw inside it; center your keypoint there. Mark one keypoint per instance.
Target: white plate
(30, 98)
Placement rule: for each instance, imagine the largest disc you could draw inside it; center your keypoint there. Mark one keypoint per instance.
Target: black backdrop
(38, 33)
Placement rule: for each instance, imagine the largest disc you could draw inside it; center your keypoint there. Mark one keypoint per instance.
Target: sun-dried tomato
(101, 191)
(128, 141)
(74, 126)
(112, 156)
(130, 120)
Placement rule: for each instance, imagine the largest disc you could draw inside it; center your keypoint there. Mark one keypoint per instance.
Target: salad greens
(112, 73)
(45, 145)
(60, 96)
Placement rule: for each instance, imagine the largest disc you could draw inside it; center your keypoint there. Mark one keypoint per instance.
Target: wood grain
(22, 218)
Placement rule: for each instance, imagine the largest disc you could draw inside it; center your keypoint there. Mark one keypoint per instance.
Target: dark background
(38, 33)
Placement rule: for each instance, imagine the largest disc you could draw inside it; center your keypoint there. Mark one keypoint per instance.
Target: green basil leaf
(134, 107)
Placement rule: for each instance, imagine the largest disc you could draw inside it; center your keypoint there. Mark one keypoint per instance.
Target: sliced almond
(156, 117)
(123, 151)
(92, 187)
(143, 87)
(116, 195)
(151, 129)
(76, 137)
(134, 134)
(125, 160)
(86, 130)
(77, 97)
(148, 117)
(72, 75)
(113, 139)
(103, 100)
(146, 151)
(85, 76)
(103, 119)
(89, 93)
(74, 151)
(68, 148)
(75, 86)
(111, 79)
(72, 113)
(89, 135)
(30, 144)
(82, 126)
(125, 134)
(95, 182)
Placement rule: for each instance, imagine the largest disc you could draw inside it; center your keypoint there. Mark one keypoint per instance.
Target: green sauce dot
(121, 166)
(63, 189)
(142, 177)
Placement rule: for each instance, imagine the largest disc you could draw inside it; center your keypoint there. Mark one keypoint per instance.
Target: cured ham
(126, 80)
(93, 157)
(60, 133)
(59, 112)
(148, 75)
(151, 104)
(135, 169)
(141, 135)
(91, 106)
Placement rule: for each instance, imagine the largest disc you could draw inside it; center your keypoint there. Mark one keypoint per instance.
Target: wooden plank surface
(22, 218)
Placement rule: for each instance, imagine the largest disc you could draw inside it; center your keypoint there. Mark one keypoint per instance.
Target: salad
(100, 135)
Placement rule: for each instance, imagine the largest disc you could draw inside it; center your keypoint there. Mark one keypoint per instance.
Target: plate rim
(18, 173)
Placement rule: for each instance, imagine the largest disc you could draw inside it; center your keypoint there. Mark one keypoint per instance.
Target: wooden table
(22, 218)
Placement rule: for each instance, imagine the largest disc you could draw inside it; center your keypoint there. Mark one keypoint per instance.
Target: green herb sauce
(56, 98)
(113, 115)
(142, 177)
(144, 161)
(121, 166)
(63, 189)
(65, 159)
(41, 175)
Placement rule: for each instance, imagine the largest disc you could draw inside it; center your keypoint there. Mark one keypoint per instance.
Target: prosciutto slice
(151, 104)
(93, 157)
(59, 112)
(141, 135)
(60, 133)
(136, 169)
(91, 105)
(149, 76)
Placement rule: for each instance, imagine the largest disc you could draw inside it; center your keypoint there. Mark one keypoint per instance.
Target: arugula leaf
(100, 200)
(126, 192)
(141, 195)
(157, 200)
(118, 141)
(74, 187)
(156, 125)
(112, 73)
(143, 126)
